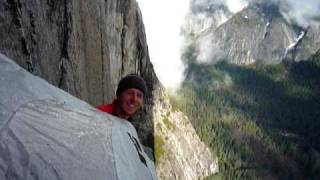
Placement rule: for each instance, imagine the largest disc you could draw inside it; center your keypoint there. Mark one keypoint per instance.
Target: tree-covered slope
(261, 120)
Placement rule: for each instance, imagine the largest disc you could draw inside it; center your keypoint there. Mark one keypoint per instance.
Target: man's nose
(134, 97)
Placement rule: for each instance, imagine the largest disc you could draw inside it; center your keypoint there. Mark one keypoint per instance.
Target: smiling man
(130, 97)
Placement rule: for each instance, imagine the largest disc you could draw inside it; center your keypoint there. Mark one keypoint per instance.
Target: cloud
(208, 51)
(236, 5)
(233, 6)
(304, 13)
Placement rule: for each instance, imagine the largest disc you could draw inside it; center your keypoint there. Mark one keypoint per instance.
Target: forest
(262, 120)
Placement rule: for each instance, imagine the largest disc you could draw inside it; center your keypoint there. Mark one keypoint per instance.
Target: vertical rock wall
(83, 47)
(179, 152)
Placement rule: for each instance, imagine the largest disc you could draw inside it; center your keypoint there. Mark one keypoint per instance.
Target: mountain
(251, 91)
(85, 48)
(259, 32)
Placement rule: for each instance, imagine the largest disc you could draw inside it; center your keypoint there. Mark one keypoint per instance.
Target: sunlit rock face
(258, 32)
(309, 44)
(180, 154)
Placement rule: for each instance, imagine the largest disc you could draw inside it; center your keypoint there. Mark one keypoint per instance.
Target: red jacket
(109, 108)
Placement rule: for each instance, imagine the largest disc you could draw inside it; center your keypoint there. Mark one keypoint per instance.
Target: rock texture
(259, 32)
(180, 154)
(83, 47)
(309, 44)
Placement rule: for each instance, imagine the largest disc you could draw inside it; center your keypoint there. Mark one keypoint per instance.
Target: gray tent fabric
(47, 134)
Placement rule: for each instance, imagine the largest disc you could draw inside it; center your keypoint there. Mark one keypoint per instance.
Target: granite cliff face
(179, 151)
(84, 48)
(259, 32)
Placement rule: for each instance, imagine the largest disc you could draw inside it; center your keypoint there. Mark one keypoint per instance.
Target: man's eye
(139, 95)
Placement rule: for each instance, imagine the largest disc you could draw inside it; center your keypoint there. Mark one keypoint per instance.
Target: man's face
(130, 101)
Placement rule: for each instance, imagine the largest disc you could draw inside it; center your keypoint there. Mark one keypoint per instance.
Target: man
(130, 97)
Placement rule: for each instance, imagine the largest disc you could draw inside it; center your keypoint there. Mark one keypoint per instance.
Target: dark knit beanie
(132, 81)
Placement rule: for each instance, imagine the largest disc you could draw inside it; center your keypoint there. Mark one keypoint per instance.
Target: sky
(162, 20)
(236, 5)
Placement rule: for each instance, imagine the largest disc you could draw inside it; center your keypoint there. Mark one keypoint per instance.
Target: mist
(162, 20)
(304, 13)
